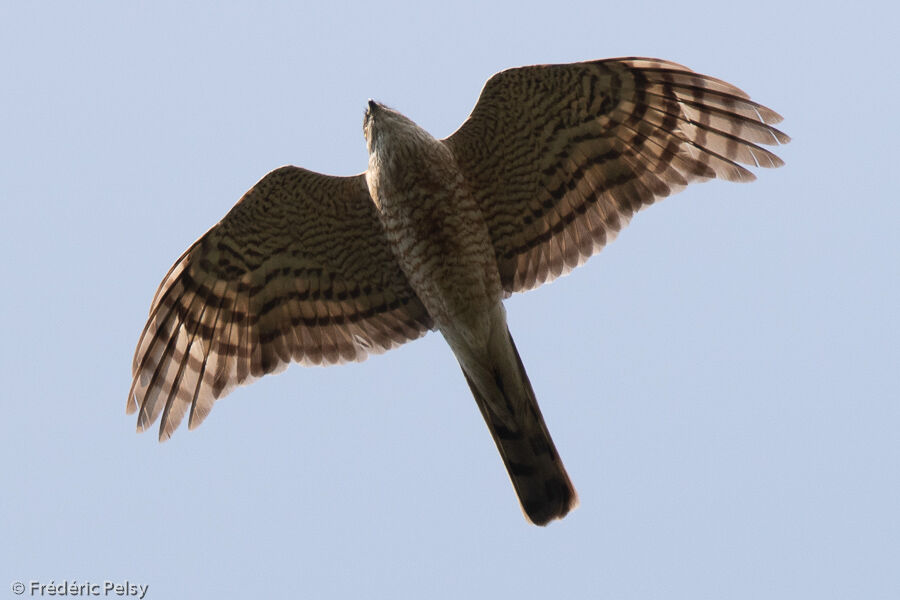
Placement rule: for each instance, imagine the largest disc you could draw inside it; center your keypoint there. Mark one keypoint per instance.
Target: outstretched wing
(298, 270)
(561, 156)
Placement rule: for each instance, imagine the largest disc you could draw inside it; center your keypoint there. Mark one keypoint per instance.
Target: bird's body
(551, 164)
(432, 222)
(438, 234)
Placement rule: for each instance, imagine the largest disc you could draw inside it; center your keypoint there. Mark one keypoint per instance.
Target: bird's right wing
(299, 269)
(561, 156)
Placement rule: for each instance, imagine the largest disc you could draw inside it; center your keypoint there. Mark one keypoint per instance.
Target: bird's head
(376, 122)
(371, 109)
(383, 125)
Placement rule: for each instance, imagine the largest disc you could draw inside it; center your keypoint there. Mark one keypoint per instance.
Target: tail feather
(510, 409)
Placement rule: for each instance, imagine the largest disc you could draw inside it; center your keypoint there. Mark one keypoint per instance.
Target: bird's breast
(438, 235)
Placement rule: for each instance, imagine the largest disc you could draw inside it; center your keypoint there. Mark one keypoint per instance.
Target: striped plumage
(298, 270)
(550, 165)
(561, 156)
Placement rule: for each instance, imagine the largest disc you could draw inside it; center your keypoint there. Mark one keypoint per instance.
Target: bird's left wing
(561, 156)
(299, 269)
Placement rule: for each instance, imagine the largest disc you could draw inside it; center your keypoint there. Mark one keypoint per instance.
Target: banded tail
(509, 407)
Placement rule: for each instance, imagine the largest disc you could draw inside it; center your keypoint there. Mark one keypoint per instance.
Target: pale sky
(722, 382)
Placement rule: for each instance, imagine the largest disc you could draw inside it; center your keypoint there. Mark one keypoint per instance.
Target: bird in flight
(552, 162)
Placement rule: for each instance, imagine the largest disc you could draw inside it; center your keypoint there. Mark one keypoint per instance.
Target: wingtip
(194, 420)
(131, 405)
(164, 433)
(143, 420)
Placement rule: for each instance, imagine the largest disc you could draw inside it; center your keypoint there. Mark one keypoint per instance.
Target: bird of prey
(552, 162)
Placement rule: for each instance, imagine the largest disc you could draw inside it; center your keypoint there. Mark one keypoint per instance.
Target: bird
(550, 165)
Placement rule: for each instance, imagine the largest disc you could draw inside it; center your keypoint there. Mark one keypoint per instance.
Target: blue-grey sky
(722, 382)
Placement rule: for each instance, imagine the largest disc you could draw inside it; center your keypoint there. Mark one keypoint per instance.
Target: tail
(509, 407)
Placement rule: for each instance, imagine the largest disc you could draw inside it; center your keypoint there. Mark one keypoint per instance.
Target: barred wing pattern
(561, 156)
(298, 270)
